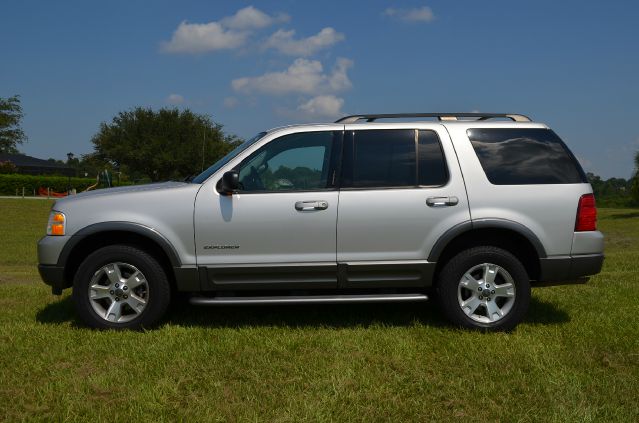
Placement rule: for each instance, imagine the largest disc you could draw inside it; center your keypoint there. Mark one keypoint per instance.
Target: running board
(309, 299)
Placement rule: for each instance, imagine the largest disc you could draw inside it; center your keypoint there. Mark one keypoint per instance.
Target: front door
(279, 230)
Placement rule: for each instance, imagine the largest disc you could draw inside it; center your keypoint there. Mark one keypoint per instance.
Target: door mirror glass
(229, 183)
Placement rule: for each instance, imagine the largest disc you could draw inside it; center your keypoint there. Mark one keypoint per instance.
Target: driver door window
(295, 162)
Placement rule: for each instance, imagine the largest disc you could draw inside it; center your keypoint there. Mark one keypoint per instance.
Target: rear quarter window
(512, 156)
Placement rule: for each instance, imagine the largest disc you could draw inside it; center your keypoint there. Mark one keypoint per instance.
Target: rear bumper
(563, 270)
(53, 276)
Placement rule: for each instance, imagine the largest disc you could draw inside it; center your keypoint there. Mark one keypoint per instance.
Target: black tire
(449, 281)
(158, 294)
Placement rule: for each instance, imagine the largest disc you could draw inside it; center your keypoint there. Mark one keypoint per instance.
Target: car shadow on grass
(629, 215)
(297, 316)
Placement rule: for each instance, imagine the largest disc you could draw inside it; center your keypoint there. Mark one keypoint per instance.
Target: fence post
(34, 192)
(22, 192)
(48, 192)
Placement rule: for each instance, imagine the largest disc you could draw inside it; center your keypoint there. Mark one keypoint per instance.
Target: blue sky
(256, 65)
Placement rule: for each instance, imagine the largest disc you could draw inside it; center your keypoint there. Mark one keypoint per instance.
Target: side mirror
(229, 183)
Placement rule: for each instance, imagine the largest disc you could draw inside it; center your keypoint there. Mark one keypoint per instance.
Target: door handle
(311, 205)
(441, 201)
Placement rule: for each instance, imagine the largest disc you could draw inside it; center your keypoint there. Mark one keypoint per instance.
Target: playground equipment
(104, 179)
(47, 192)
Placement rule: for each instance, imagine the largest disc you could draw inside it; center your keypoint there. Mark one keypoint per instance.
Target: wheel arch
(99, 235)
(511, 236)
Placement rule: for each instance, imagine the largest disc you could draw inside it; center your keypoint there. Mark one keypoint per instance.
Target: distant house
(34, 166)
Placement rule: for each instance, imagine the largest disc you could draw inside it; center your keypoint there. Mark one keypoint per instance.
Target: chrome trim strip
(308, 299)
(384, 262)
(250, 265)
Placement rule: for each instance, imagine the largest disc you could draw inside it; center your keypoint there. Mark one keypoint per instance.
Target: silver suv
(471, 208)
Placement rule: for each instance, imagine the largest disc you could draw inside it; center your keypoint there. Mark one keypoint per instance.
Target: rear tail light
(586, 214)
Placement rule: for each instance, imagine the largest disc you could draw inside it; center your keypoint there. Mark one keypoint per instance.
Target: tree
(10, 132)
(634, 189)
(161, 145)
(613, 192)
(7, 167)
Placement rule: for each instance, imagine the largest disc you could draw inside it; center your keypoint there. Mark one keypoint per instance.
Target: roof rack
(441, 116)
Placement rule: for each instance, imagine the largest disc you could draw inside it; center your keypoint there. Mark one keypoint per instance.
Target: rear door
(401, 189)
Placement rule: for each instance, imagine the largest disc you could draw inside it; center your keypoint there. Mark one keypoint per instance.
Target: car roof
(476, 123)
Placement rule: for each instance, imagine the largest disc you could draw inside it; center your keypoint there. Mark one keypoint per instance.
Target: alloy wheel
(118, 292)
(486, 293)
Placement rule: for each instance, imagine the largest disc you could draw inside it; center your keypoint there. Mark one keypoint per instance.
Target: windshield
(224, 160)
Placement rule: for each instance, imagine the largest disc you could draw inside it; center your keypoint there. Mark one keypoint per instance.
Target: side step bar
(308, 299)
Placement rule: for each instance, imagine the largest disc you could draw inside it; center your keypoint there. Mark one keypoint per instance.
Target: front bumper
(50, 268)
(50, 248)
(53, 276)
(563, 270)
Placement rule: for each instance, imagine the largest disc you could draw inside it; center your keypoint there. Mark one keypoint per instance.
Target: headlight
(57, 222)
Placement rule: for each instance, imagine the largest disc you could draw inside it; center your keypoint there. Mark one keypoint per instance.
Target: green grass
(575, 357)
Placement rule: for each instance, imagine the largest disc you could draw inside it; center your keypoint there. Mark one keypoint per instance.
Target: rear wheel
(484, 288)
(120, 287)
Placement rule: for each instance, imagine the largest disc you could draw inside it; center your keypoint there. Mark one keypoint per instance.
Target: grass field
(575, 358)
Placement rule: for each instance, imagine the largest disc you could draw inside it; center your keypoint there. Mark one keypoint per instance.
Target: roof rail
(441, 116)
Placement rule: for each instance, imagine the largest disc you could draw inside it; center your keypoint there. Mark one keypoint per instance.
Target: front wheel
(484, 288)
(120, 287)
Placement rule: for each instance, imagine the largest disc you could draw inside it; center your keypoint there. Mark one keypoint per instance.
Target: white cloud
(252, 18)
(231, 102)
(339, 80)
(302, 77)
(175, 99)
(418, 14)
(203, 38)
(228, 33)
(323, 106)
(285, 43)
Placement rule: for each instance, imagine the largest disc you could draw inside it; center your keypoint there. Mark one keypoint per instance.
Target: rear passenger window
(384, 158)
(432, 166)
(393, 158)
(525, 156)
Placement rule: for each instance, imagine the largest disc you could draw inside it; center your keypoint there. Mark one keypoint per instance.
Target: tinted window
(387, 158)
(381, 158)
(224, 160)
(432, 166)
(295, 162)
(525, 156)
